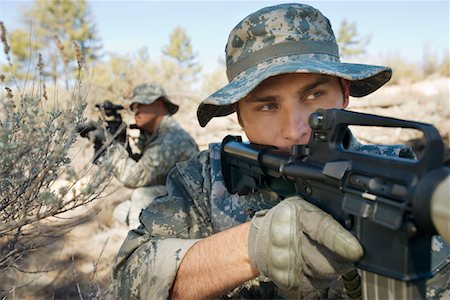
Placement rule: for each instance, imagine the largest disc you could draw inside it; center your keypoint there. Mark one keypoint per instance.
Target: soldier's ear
(345, 87)
(236, 109)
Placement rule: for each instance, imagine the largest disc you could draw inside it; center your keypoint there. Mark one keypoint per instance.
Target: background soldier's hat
(286, 38)
(148, 93)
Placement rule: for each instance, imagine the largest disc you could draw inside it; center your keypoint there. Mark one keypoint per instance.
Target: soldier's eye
(314, 96)
(268, 107)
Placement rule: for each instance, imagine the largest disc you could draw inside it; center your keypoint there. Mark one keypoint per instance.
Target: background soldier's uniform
(147, 176)
(198, 205)
(159, 152)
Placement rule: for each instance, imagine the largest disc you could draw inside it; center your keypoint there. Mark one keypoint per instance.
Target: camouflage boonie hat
(148, 93)
(286, 38)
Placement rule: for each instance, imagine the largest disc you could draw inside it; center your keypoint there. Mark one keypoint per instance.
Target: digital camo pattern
(149, 258)
(381, 150)
(127, 212)
(438, 287)
(286, 38)
(147, 93)
(197, 205)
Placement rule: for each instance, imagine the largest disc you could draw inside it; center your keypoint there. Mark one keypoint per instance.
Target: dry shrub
(39, 188)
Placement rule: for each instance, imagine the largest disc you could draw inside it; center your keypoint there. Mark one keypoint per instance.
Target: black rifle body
(384, 201)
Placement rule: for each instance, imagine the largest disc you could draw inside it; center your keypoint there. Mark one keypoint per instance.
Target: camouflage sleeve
(146, 266)
(155, 163)
(438, 287)
(148, 260)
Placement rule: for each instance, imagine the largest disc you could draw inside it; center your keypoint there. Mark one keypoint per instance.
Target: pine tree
(350, 44)
(180, 51)
(52, 28)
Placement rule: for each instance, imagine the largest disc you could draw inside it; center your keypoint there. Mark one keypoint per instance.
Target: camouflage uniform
(287, 38)
(160, 151)
(198, 205)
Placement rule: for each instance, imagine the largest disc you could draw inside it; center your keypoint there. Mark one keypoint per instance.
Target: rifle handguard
(440, 208)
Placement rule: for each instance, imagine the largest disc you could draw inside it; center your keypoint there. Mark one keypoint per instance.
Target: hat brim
(171, 107)
(144, 99)
(364, 79)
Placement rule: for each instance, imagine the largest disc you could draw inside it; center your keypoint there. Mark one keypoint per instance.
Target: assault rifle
(393, 205)
(110, 118)
(109, 114)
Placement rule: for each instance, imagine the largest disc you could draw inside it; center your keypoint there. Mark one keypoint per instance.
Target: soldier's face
(276, 112)
(145, 115)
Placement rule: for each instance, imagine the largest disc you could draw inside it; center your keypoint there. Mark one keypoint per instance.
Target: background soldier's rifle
(393, 205)
(109, 114)
(109, 118)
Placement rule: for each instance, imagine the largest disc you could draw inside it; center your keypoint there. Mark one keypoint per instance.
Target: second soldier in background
(162, 143)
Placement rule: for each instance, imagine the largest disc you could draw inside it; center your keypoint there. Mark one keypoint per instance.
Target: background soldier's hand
(300, 247)
(84, 128)
(97, 136)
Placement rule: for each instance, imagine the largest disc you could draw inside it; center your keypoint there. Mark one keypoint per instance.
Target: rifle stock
(393, 205)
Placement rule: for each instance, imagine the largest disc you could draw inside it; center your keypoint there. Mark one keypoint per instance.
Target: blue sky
(402, 27)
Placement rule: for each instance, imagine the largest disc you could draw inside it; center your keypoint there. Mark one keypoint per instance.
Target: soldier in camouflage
(198, 241)
(162, 142)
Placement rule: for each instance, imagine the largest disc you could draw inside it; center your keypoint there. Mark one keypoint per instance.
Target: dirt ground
(79, 265)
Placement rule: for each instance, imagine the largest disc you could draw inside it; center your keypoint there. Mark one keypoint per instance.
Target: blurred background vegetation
(50, 27)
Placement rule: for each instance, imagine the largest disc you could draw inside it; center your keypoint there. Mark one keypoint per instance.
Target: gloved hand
(84, 128)
(300, 247)
(98, 138)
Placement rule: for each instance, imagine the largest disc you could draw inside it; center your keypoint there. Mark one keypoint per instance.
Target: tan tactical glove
(300, 247)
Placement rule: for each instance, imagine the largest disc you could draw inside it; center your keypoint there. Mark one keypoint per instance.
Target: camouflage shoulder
(438, 287)
(403, 151)
(184, 204)
(172, 132)
(195, 172)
